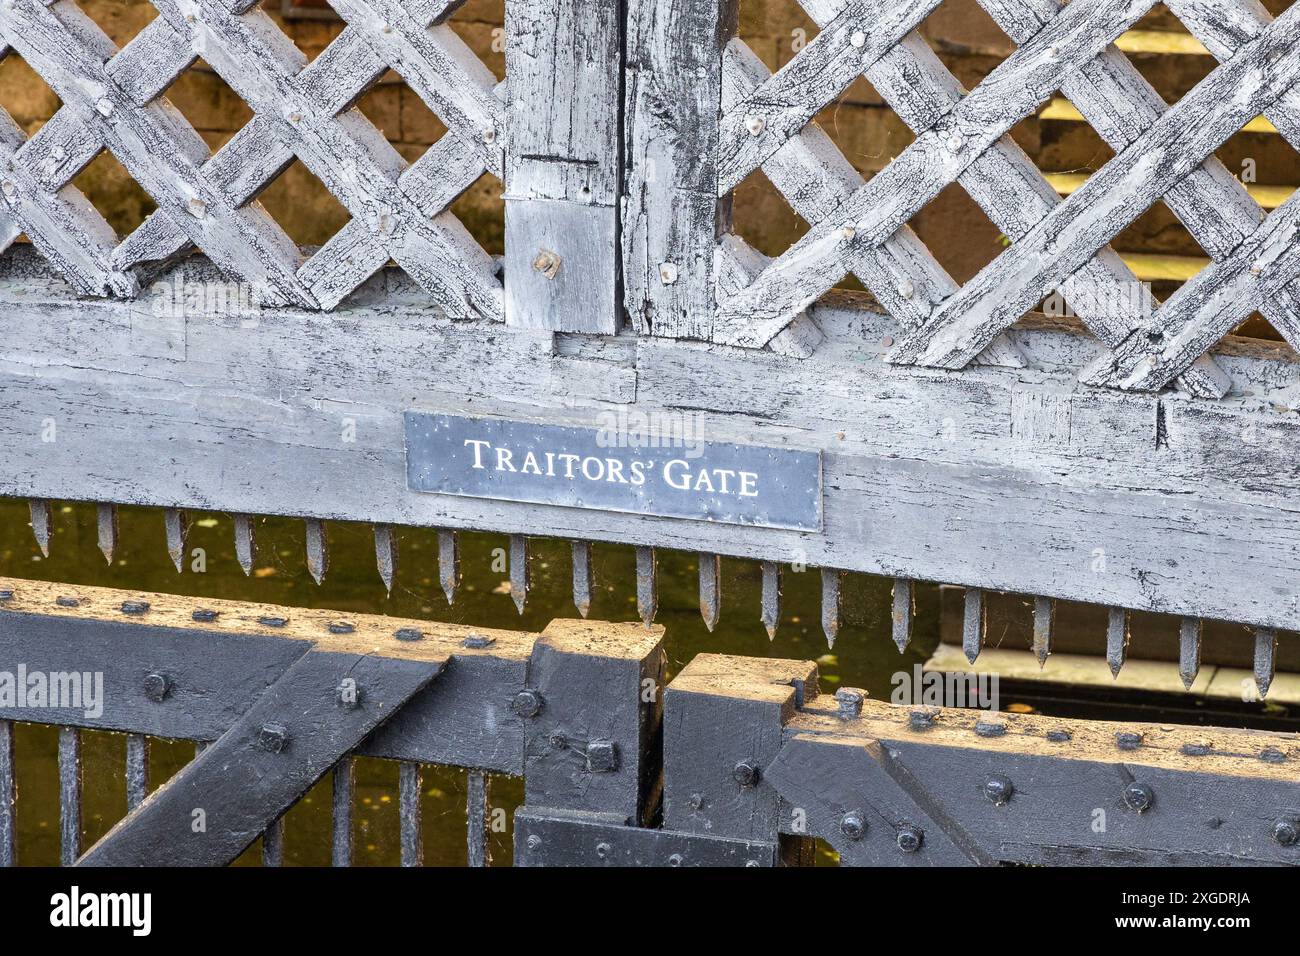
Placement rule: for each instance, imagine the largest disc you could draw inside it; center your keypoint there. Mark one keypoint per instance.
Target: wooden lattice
(113, 100)
(860, 228)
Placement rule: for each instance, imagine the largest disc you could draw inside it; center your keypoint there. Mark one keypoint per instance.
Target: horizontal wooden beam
(186, 668)
(998, 478)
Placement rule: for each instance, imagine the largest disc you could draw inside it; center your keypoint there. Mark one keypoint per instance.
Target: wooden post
(564, 60)
(672, 214)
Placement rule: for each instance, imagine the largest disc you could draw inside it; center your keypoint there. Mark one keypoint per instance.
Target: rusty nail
(547, 263)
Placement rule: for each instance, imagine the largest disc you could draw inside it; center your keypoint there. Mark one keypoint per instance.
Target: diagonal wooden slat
(1151, 165)
(285, 742)
(859, 33)
(875, 212)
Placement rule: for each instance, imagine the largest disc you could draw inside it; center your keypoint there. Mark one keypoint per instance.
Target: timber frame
(737, 761)
(1140, 458)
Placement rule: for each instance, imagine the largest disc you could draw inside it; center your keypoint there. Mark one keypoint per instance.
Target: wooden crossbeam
(322, 706)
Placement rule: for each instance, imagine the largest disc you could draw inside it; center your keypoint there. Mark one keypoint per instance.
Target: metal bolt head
(489, 136)
(910, 838)
(1286, 832)
(602, 850)
(668, 273)
(1139, 797)
(602, 756)
(697, 801)
(998, 788)
(533, 841)
(9, 189)
(157, 687)
(273, 738)
(853, 826)
(527, 704)
(675, 860)
(850, 702)
(547, 263)
(859, 39)
(755, 125)
(746, 774)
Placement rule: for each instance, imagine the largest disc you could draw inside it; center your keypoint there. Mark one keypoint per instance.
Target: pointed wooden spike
(1265, 665)
(830, 605)
(178, 531)
(106, 521)
(449, 563)
(904, 607)
(318, 551)
(972, 624)
(771, 616)
(647, 593)
(1044, 618)
(1117, 639)
(42, 522)
(582, 577)
(245, 542)
(519, 570)
(1189, 650)
(710, 589)
(386, 554)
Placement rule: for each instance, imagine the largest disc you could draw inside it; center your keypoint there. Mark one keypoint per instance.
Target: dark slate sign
(614, 469)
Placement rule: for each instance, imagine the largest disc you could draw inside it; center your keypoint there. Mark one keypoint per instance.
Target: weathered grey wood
(318, 554)
(647, 588)
(973, 624)
(42, 520)
(710, 589)
(476, 807)
(1117, 638)
(1189, 650)
(672, 218)
(904, 608)
(7, 794)
(831, 580)
(1183, 137)
(563, 172)
(137, 770)
(1044, 620)
(410, 791)
(449, 564)
(245, 543)
(287, 740)
(1265, 646)
(1054, 772)
(939, 477)
(70, 834)
(341, 795)
(581, 551)
(386, 554)
(592, 716)
(177, 525)
(519, 571)
(106, 526)
(771, 598)
(880, 208)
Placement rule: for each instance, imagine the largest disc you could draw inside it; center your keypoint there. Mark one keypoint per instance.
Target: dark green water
(864, 655)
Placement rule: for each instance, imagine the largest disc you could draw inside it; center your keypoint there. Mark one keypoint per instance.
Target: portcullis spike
(647, 594)
(710, 589)
(106, 522)
(582, 577)
(771, 616)
(318, 553)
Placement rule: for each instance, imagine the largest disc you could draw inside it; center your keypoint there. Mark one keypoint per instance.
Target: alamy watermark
(58, 690)
(919, 687)
(636, 429)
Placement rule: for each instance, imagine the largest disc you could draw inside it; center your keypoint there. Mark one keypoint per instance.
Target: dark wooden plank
(7, 793)
(286, 741)
(70, 835)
